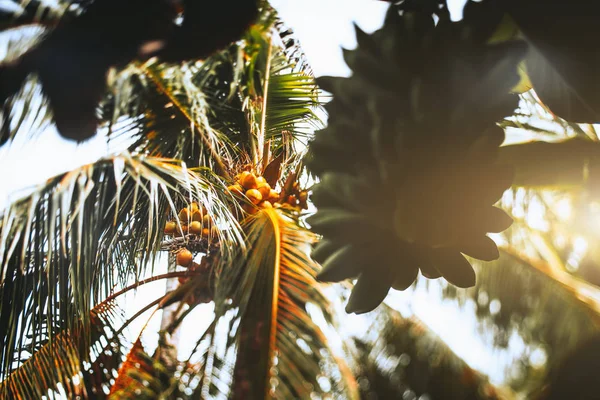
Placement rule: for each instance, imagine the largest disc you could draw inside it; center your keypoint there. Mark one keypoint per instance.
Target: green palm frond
(284, 107)
(293, 99)
(59, 360)
(83, 233)
(165, 112)
(209, 113)
(272, 287)
(292, 48)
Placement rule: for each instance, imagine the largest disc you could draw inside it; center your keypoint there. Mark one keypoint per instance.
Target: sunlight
(563, 209)
(536, 215)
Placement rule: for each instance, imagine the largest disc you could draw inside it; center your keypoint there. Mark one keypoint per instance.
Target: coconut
(254, 196)
(185, 258)
(170, 228)
(250, 208)
(184, 215)
(242, 177)
(264, 190)
(249, 182)
(273, 196)
(196, 228)
(197, 216)
(207, 221)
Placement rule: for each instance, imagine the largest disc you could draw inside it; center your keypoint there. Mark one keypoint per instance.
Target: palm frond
(582, 292)
(208, 113)
(421, 361)
(292, 48)
(142, 376)
(15, 14)
(262, 335)
(26, 113)
(272, 287)
(549, 318)
(58, 363)
(560, 164)
(293, 100)
(164, 112)
(82, 233)
(209, 368)
(284, 107)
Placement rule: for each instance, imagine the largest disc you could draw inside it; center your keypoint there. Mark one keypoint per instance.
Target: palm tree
(190, 130)
(209, 175)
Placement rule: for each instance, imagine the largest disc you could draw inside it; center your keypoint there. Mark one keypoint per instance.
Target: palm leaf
(563, 164)
(26, 113)
(15, 14)
(144, 377)
(272, 287)
(407, 357)
(284, 107)
(162, 111)
(547, 316)
(56, 362)
(82, 233)
(59, 362)
(293, 100)
(292, 48)
(577, 289)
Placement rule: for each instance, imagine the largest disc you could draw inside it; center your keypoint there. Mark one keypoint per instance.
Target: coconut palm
(190, 129)
(208, 176)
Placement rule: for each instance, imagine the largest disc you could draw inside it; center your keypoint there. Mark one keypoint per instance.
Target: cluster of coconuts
(194, 220)
(256, 190)
(261, 195)
(195, 224)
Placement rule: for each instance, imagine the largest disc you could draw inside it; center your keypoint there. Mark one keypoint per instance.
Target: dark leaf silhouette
(73, 60)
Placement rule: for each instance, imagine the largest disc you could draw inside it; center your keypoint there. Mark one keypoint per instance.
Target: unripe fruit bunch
(194, 220)
(256, 191)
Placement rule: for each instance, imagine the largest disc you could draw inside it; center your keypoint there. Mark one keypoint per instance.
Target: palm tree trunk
(173, 311)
